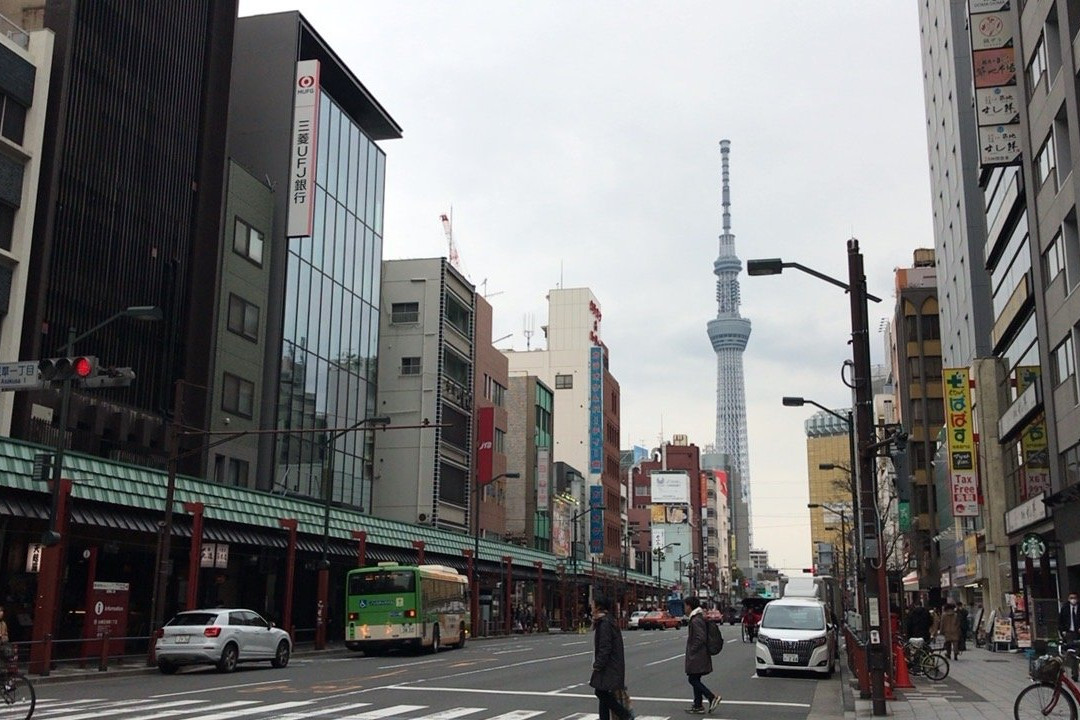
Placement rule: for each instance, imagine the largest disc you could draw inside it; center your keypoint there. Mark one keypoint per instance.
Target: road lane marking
(544, 693)
(450, 714)
(507, 652)
(214, 708)
(517, 715)
(507, 666)
(303, 714)
(568, 687)
(385, 712)
(228, 714)
(409, 664)
(108, 711)
(673, 657)
(216, 689)
(576, 642)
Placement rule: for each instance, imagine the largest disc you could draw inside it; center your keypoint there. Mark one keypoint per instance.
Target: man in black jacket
(609, 665)
(1069, 624)
(918, 622)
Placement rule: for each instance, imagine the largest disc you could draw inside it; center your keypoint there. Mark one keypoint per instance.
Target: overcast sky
(578, 143)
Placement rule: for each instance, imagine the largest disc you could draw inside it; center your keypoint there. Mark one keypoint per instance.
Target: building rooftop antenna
(528, 331)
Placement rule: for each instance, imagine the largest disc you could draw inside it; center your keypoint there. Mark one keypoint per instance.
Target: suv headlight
(763, 637)
(819, 641)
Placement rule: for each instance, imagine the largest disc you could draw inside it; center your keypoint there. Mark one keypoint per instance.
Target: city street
(533, 676)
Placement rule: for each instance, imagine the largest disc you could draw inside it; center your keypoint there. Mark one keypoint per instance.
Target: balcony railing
(14, 33)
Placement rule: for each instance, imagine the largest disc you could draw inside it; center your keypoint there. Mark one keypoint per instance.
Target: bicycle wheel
(18, 698)
(936, 667)
(745, 634)
(1040, 700)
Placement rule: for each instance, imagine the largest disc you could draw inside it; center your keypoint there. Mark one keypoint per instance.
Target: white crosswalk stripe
(192, 709)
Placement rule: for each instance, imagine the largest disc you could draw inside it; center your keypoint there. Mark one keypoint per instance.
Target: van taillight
(212, 631)
(354, 616)
(410, 613)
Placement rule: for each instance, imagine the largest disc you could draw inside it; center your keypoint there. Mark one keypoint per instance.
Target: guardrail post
(103, 663)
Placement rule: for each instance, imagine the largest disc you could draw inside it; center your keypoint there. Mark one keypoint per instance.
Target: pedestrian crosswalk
(325, 709)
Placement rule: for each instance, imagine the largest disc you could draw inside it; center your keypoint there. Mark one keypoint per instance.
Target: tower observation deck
(729, 333)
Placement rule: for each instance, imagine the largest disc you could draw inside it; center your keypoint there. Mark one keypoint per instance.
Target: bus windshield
(382, 582)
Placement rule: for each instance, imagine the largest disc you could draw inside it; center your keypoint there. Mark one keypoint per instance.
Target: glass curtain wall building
(331, 318)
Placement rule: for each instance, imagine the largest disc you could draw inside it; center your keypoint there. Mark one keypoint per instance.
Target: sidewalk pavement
(981, 685)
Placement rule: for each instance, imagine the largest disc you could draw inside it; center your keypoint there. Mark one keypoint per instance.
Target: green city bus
(412, 606)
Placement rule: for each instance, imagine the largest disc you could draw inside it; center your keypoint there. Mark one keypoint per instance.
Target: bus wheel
(435, 639)
(461, 638)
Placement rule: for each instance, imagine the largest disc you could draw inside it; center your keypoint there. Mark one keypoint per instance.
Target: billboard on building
(1035, 477)
(561, 530)
(993, 69)
(543, 477)
(670, 486)
(485, 444)
(301, 186)
(596, 410)
(963, 478)
(596, 519)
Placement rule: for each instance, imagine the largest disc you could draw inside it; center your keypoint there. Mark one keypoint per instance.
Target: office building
(492, 401)
(426, 359)
(529, 447)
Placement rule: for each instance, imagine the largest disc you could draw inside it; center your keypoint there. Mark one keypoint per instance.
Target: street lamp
(876, 587)
(843, 546)
(574, 522)
(474, 561)
(328, 493)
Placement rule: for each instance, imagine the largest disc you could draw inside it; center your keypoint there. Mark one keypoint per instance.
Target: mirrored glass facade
(331, 323)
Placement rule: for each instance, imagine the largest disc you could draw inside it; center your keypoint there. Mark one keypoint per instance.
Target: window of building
(1036, 69)
(935, 412)
(12, 119)
(243, 317)
(500, 441)
(407, 312)
(498, 394)
(1063, 367)
(641, 491)
(248, 242)
(1070, 466)
(931, 328)
(7, 225)
(230, 471)
(1046, 162)
(458, 315)
(1054, 259)
(932, 367)
(411, 366)
(564, 382)
(914, 368)
(237, 395)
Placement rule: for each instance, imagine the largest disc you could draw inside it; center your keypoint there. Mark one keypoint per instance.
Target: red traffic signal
(67, 368)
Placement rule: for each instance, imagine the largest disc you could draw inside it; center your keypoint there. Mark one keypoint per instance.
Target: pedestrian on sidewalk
(949, 625)
(1069, 624)
(609, 664)
(917, 623)
(962, 613)
(698, 659)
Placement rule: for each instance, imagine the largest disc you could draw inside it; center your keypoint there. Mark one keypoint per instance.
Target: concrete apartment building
(529, 446)
(426, 359)
(26, 60)
(575, 363)
(492, 420)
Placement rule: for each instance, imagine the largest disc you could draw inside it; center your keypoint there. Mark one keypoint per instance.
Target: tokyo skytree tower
(729, 333)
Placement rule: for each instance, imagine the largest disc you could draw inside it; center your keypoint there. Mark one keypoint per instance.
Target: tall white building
(729, 332)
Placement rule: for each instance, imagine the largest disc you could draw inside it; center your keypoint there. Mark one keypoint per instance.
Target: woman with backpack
(698, 659)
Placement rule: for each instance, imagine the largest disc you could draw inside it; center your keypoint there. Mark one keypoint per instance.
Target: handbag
(623, 698)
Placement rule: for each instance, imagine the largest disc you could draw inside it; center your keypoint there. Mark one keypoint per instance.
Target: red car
(658, 620)
(714, 616)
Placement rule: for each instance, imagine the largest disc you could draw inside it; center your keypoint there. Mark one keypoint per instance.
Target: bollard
(103, 662)
(903, 678)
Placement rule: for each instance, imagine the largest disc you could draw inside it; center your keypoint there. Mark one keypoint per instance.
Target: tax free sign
(963, 478)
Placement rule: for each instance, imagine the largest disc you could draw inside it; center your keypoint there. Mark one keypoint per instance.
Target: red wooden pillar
(508, 616)
(538, 609)
(290, 574)
(50, 574)
(195, 554)
(361, 547)
(419, 545)
(474, 591)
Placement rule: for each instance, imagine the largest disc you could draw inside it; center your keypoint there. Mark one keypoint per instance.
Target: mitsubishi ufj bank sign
(304, 145)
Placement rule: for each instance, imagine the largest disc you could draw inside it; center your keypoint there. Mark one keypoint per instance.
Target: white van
(796, 634)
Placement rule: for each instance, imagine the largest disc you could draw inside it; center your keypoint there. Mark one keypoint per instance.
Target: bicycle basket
(1045, 668)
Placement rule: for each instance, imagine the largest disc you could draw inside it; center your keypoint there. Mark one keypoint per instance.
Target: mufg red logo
(306, 81)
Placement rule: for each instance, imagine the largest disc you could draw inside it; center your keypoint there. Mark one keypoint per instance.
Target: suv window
(238, 618)
(190, 619)
(254, 620)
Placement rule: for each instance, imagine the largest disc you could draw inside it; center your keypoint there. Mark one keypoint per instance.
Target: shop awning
(911, 581)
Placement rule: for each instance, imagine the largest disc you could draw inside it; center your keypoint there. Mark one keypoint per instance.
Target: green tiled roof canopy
(143, 488)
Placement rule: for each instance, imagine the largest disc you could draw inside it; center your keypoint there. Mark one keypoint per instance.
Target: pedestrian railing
(856, 660)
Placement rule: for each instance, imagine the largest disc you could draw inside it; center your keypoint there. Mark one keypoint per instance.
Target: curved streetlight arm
(775, 266)
(139, 312)
(790, 401)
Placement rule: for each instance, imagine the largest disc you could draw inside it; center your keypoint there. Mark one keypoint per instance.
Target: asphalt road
(535, 676)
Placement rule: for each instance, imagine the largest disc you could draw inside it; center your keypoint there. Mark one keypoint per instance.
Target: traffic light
(60, 369)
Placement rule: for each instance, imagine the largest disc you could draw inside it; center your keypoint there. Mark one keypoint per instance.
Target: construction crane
(448, 228)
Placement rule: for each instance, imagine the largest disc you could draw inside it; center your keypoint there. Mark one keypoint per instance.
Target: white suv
(221, 637)
(635, 618)
(795, 634)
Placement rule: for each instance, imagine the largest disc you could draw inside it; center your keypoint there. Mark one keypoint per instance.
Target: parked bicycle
(922, 660)
(16, 691)
(1053, 694)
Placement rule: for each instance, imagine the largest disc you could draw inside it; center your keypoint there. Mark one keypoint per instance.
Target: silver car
(221, 637)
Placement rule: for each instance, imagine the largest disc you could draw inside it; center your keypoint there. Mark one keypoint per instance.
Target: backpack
(714, 640)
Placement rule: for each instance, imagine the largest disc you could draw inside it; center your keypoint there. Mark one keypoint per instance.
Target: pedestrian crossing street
(169, 709)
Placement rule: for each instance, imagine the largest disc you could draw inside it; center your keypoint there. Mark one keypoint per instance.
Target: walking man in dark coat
(698, 659)
(1069, 625)
(609, 665)
(918, 623)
